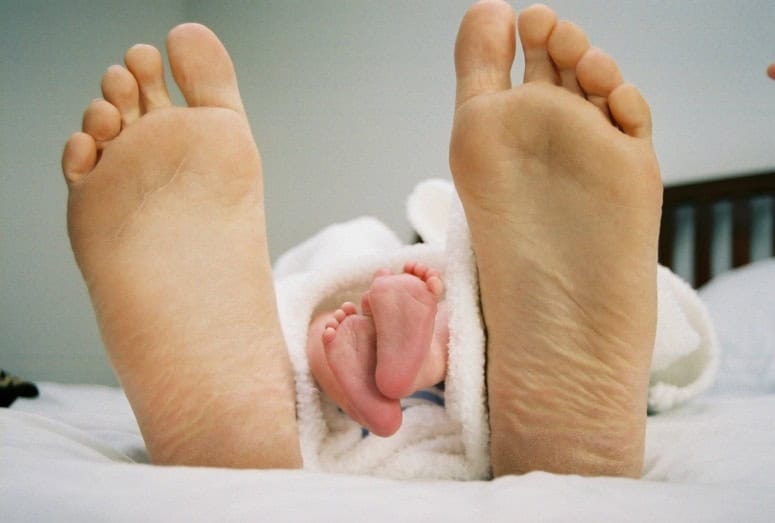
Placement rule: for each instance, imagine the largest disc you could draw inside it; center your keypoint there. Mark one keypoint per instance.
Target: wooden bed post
(741, 232)
(703, 236)
(701, 197)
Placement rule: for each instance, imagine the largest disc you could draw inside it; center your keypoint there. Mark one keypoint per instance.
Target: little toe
(535, 26)
(120, 88)
(598, 76)
(79, 157)
(567, 44)
(484, 50)
(630, 111)
(102, 120)
(202, 68)
(145, 63)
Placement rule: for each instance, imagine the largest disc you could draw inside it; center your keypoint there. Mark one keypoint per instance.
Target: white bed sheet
(75, 454)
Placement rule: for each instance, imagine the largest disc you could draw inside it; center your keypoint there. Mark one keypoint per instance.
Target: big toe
(484, 50)
(202, 68)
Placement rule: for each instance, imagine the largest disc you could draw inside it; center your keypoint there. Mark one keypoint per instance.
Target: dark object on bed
(12, 387)
(701, 197)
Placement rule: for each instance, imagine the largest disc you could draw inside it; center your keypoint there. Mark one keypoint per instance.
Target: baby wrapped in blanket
(447, 435)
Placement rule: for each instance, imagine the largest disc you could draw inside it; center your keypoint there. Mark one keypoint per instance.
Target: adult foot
(562, 194)
(404, 308)
(166, 219)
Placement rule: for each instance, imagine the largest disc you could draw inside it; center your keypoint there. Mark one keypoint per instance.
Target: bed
(736, 210)
(75, 452)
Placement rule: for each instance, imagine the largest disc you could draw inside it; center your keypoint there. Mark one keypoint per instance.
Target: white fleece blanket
(448, 441)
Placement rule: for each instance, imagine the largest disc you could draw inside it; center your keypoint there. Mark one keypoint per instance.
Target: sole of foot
(562, 194)
(166, 220)
(404, 308)
(350, 344)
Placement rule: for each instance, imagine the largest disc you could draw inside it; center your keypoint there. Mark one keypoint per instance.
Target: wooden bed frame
(700, 198)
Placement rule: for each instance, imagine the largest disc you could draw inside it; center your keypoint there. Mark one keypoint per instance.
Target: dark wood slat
(772, 222)
(730, 188)
(703, 232)
(667, 238)
(741, 232)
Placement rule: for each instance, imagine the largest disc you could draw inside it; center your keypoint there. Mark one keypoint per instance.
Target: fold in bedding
(449, 440)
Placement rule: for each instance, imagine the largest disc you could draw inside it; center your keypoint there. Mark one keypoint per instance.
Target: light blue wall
(52, 55)
(351, 104)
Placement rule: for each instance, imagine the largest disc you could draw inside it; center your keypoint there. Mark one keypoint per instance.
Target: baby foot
(350, 342)
(404, 309)
(166, 219)
(562, 194)
(342, 347)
